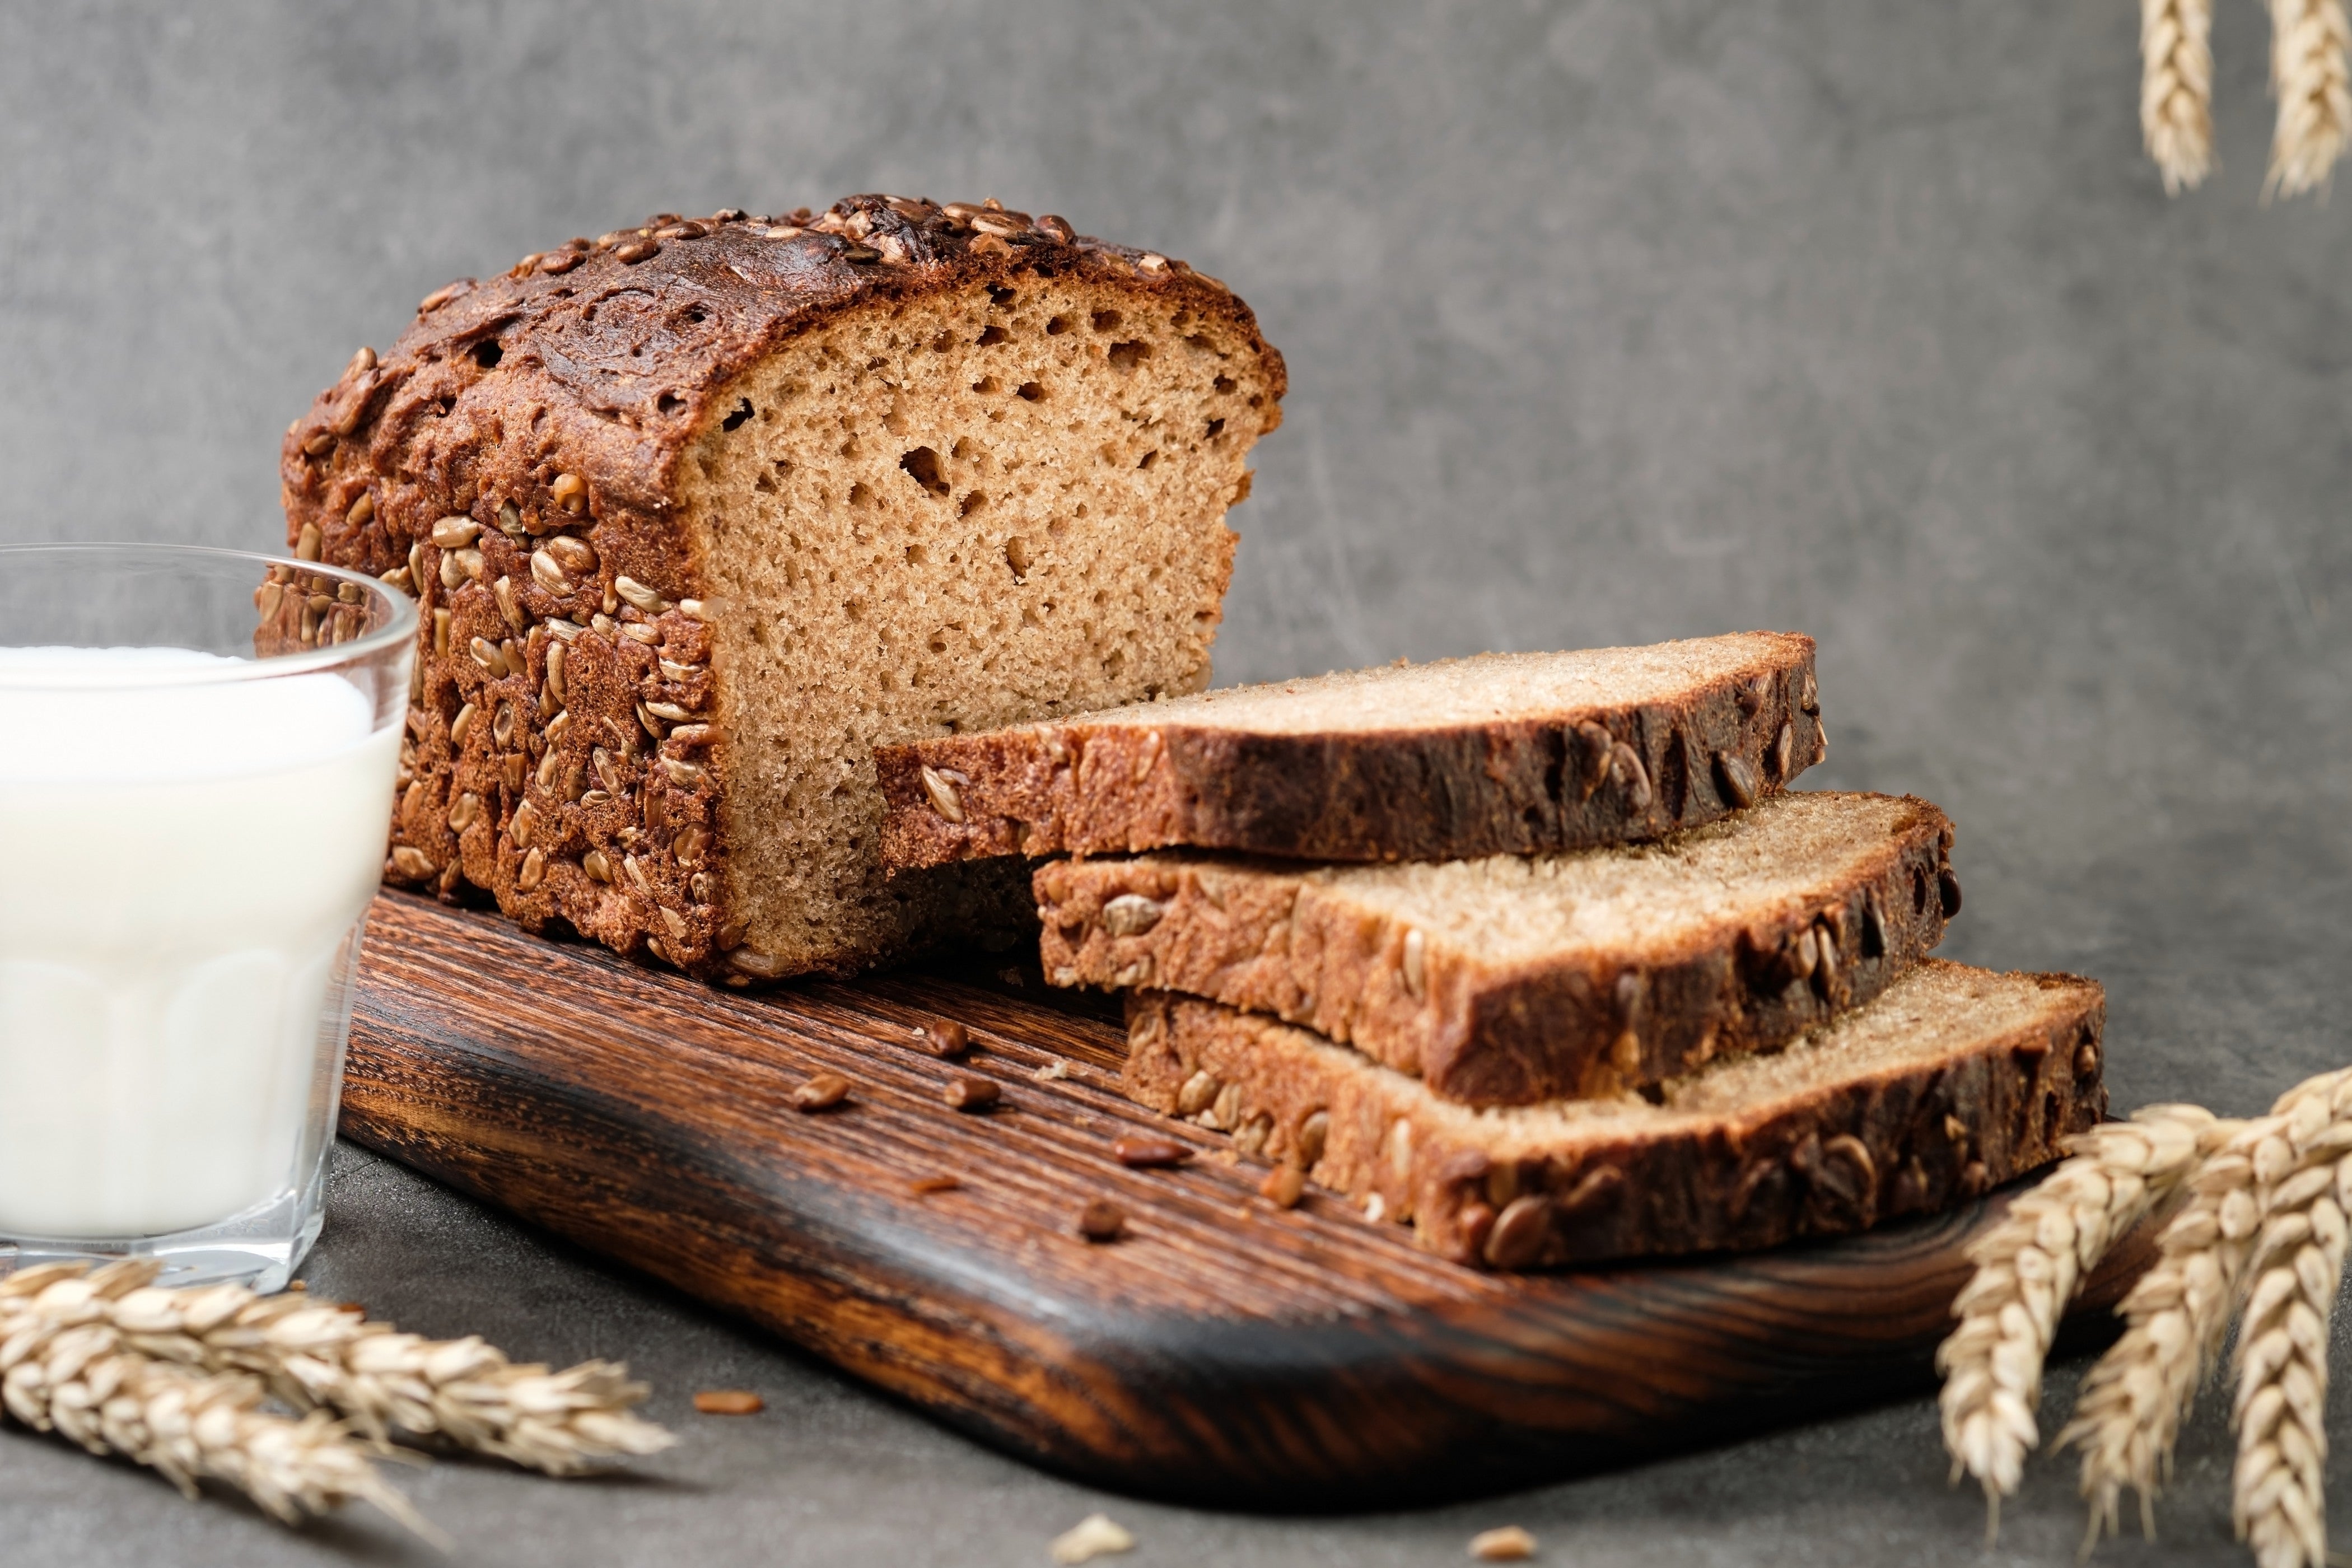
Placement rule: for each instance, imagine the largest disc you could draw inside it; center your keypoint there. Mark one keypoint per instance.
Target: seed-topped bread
(1508, 979)
(1499, 754)
(1952, 1081)
(701, 512)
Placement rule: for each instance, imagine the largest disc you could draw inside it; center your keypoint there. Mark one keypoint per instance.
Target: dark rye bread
(1953, 1081)
(1509, 980)
(1499, 754)
(702, 511)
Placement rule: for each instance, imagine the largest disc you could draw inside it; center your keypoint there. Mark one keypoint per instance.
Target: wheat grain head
(2176, 89)
(2305, 1178)
(64, 1368)
(2029, 1267)
(2308, 76)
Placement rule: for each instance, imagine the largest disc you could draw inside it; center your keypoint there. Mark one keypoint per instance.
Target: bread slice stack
(1536, 952)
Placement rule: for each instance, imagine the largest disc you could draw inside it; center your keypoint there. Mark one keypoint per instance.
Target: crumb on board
(729, 1402)
(1093, 1536)
(1509, 1544)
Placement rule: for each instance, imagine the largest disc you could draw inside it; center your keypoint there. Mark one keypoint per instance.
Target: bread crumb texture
(952, 513)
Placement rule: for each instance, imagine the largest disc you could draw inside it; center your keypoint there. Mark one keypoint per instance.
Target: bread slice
(1954, 1079)
(1501, 755)
(703, 510)
(1509, 980)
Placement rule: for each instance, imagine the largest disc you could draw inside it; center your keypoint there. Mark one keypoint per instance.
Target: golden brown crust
(1571, 779)
(1865, 1147)
(547, 410)
(1261, 937)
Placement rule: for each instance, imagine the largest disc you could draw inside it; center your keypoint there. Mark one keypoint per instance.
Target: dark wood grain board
(1224, 1353)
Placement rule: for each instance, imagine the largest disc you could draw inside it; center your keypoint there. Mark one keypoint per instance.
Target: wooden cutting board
(1224, 1353)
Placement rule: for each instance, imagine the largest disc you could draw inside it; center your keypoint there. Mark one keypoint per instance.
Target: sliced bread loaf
(1954, 1079)
(1500, 754)
(1510, 979)
(700, 512)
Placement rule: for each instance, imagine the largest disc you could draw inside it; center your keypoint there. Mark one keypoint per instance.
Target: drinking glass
(198, 753)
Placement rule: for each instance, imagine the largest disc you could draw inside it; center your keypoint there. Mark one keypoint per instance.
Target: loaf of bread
(1500, 754)
(701, 512)
(1952, 1081)
(1509, 980)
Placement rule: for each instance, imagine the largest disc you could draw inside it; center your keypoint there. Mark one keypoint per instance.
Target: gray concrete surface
(1608, 320)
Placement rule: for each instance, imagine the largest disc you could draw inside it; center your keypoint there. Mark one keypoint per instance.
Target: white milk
(179, 867)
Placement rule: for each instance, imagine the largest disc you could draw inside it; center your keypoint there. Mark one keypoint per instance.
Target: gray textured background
(1607, 322)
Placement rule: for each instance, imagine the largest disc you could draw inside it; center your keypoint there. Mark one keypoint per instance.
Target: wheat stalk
(2028, 1268)
(2129, 1411)
(64, 1368)
(2176, 89)
(2308, 41)
(2303, 1178)
(315, 1355)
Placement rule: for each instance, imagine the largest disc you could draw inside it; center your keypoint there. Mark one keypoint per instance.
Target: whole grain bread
(1509, 980)
(1954, 1079)
(1499, 754)
(702, 511)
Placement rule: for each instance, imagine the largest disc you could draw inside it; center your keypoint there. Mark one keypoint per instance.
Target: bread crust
(558, 401)
(1859, 1149)
(1263, 937)
(1528, 785)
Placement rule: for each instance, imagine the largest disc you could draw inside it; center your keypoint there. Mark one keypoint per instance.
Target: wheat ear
(2305, 1178)
(2176, 89)
(2308, 41)
(316, 1354)
(2028, 1268)
(64, 1368)
(2128, 1415)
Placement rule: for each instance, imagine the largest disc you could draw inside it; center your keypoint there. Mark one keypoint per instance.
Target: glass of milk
(197, 751)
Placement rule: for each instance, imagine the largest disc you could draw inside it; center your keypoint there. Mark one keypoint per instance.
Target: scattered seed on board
(972, 1094)
(1149, 1152)
(1102, 1220)
(925, 1186)
(823, 1092)
(729, 1402)
(1093, 1536)
(1509, 1544)
(947, 1039)
(1283, 1187)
